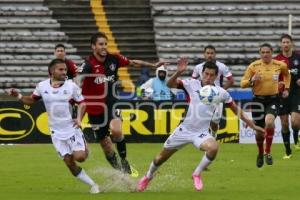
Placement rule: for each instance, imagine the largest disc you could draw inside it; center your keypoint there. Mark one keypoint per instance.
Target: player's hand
(76, 123)
(12, 92)
(285, 93)
(256, 77)
(298, 82)
(182, 64)
(259, 129)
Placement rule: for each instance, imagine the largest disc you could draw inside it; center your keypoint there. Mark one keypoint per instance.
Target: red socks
(260, 145)
(269, 139)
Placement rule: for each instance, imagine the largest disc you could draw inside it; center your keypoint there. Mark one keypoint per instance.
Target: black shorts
(100, 123)
(284, 106)
(294, 101)
(263, 105)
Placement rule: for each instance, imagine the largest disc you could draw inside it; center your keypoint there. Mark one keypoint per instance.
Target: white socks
(85, 178)
(151, 170)
(202, 165)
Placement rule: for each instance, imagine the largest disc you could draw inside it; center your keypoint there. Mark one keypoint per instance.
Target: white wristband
(20, 96)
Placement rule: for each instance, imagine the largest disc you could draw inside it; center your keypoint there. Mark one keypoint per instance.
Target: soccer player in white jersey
(223, 72)
(57, 94)
(195, 127)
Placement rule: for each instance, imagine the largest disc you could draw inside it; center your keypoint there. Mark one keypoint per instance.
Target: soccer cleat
(297, 147)
(134, 172)
(260, 160)
(287, 157)
(143, 184)
(95, 189)
(269, 159)
(197, 182)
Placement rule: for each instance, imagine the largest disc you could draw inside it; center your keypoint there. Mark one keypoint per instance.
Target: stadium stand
(235, 28)
(142, 29)
(129, 21)
(27, 40)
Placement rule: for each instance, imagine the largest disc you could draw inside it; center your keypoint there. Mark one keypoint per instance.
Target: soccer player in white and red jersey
(58, 94)
(223, 72)
(100, 75)
(195, 127)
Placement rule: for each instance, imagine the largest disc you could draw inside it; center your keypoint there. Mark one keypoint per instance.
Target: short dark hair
(60, 46)
(266, 45)
(287, 36)
(210, 65)
(209, 47)
(95, 37)
(53, 63)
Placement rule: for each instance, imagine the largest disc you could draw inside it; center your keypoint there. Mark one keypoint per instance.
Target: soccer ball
(209, 95)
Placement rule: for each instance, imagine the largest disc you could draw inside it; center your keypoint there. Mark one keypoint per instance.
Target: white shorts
(181, 136)
(68, 146)
(217, 116)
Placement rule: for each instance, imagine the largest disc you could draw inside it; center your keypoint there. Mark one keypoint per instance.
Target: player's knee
(295, 123)
(259, 136)
(212, 149)
(285, 127)
(116, 130)
(269, 121)
(80, 157)
(296, 126)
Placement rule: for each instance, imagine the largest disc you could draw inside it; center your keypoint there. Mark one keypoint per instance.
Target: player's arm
(286, 79)
(195, 73)
(28, 100)
(181, 66)
(140, 63)
(286, 76)
(247, 79)
(228, 75)
(81, 110)
(229, 82)
(241, 114)
(72, 67)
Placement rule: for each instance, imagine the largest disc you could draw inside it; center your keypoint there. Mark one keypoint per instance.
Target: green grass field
(36, 172)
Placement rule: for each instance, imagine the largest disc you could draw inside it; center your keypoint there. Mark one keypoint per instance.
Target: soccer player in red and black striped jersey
(99, 72)
(60, 53)
(290, 105)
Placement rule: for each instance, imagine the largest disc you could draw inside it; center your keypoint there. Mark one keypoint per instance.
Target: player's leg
(295, 109)
(205, 142)
(80, 151)
(269, 130)
(64, 148)
(295, 121)
(283, 112)
(101, 130)
(118, 137)
(174, 142)
(258, 115)
(80, 173)
(163, 156)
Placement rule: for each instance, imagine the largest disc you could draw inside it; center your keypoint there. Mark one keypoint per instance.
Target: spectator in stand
(157, 88)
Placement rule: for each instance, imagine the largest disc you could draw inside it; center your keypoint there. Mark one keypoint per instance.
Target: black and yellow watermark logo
(15, 124)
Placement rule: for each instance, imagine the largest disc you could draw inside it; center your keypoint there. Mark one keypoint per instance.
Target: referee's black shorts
(263, 105)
